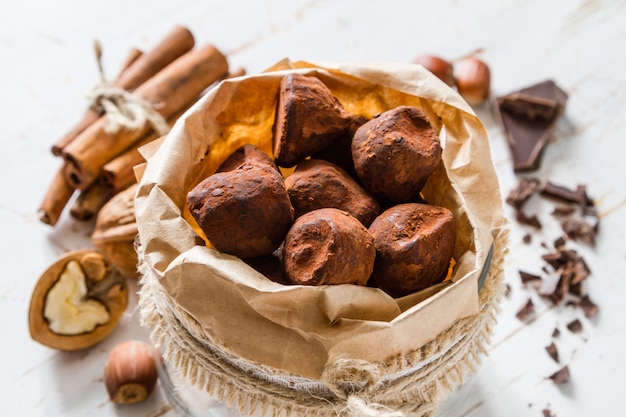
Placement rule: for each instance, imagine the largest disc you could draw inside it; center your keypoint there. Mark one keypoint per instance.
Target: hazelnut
(77, 302)
(130, 373)
(473, 80)
(438, 66)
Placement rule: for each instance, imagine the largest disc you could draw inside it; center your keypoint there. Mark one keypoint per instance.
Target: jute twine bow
(123, 109)
(353, 381)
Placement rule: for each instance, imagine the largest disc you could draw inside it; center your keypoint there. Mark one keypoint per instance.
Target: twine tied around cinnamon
(122, 108)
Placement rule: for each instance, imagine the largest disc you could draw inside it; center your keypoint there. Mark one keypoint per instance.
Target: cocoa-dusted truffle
(414, 244)
(308, 118)
(318, 184)
(395, 153)
(243, 210)
(340, 151)
(328, 246)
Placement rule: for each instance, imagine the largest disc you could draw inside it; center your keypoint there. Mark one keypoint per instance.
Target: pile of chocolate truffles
(351, 211)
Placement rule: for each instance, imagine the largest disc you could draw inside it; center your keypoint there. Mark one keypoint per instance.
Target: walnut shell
(113, 296)
(116, 230)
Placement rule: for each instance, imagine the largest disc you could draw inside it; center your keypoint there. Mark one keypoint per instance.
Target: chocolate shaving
(527, 238)
(575, 326)
(525, 189)
(561, 376)
(553, 352)
(526, 310)
(589, 307)
(556, 332)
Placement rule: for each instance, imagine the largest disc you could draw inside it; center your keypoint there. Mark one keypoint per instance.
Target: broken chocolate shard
(575, 326)
(589, 307)
(529, 220)
(561, 376)
(525, 189)
(563, 210)
(560, 242)
(553, 352)
(560, 192)
(580, 229)
(528, 117)
(527, 277)
(526, 310)
(549, 287)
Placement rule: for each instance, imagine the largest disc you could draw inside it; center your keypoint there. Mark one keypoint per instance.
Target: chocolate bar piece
(528, 117)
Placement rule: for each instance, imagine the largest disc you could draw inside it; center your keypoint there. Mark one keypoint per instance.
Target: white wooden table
(47, 66)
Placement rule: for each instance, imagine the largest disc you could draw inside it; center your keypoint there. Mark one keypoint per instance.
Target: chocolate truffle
(245, 209)
(318, 184)
(328, 246)
(340, 151)
(414, 244)
(308, 118)
(395, 153)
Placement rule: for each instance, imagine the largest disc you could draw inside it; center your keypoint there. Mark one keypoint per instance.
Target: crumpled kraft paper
(302, 329)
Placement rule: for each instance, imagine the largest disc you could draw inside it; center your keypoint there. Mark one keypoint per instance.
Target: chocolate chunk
(556, 332)
(589, 307)
(578, 196)
(575, 326)
(563, 210)
(561, 376)
(530, 220)
(525, 189)
(526, 310)
(559, 242)
(527, 277)
(553, 352)
(547, 413)
(549, 287)
(580, 229)
(527, 238)
(529, 117)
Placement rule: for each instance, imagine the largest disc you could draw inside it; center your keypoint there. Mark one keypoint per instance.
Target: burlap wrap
(338, 350)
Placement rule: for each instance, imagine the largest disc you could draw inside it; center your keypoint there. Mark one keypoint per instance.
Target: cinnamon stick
(133, 55)
(170, 90)
(119, 173)
(56, 198)
(178, 42)
(89, 202)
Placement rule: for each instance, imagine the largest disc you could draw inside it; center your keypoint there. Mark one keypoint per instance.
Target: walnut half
(77, 302)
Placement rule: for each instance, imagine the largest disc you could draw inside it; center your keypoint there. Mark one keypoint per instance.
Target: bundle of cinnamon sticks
(97, 163)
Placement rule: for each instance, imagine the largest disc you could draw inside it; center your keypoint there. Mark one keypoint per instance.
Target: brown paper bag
(212, 308)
